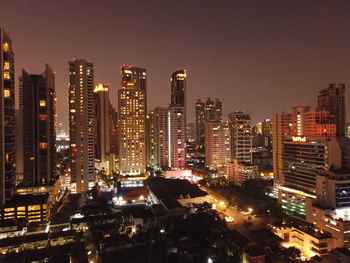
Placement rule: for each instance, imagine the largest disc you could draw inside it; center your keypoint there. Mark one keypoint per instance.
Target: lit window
(42, 103)
(43, 145)
(43, 117)
(7, 75)
(7, 93)
(5, 47)
(6, 65)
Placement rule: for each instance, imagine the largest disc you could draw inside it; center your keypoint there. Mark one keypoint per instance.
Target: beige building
(217, 144)
(238, 172)
(81, 124)
(132, 121)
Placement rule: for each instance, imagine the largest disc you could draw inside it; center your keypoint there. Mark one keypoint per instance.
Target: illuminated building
(281, 129)
(114, 139)
(151, 142)
(304, 158)
(102, 126)
(37, 101)
(81, 124)
(330, 211)
(238, 172)
(190, 132)
(241, 137)
(132, 121)
(176, 137)
(333, 100)
(213, 109)
(178, 88)
(162, 136)
(19, 147)
(200, 121)
(217, 144)
(7, 118)
(262, 134)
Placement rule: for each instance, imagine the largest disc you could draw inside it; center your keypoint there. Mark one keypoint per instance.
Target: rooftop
(174, 188)
(25, 200)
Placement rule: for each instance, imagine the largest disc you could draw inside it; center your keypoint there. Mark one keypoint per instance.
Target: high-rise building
(213, 110)
(81, 124)
(102, 126)
(114, 139)
(7, 118)
(38, 105)
(162, 136)
(241, 137)
(218, 110)
(177, 137)
(178, 88)
(333, 100)
(217, 144)
(200, 122)
(132, 121)
(190, 132)
(151, 141)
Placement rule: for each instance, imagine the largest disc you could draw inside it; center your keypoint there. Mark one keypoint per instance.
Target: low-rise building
(238, 172)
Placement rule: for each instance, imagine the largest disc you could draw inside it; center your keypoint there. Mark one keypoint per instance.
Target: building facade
(81, 124)
(132, 102)
(178, 88)
(102, 126)
(37, 101)
(200, 123)
(7, 118)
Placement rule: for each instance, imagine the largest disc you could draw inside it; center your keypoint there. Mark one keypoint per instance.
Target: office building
(241, 138)
(114, 139)
(132, 121)
(213, 110)
(217, 144)
(7, 118)
(177, 137)
(102, 126)
(37, 101)
(81, 124)
(200, 123)
(333, 100)
(178, 88)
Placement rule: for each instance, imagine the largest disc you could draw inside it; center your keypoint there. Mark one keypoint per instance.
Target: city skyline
(302, 53)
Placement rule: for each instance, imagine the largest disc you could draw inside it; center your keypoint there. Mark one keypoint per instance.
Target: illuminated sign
(299, 139)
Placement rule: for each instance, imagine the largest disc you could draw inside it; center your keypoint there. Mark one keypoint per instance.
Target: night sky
(258, 56)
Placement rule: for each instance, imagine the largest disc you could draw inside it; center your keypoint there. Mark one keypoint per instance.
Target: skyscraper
(7, 118)
(38, 105)
(241, 138)
(178, 88)
(162, 136)
(102, 126)
(151, 141)
(177, 137)
(200, 121)
(81, 124)
(132, 121)
(114, 139)
(333, 100)
(217, 144)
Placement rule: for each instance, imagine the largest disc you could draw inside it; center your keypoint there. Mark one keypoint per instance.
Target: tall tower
(200, 121)
(81, 124)
(178, 88)
(177, 137)
(241, 138)
(102, 126)
(38, 105)
(333, 100)
(132, 121)
(162, 136)
(151, 141)
(7, 118)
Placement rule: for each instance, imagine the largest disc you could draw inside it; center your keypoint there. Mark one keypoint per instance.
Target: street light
(250, 210)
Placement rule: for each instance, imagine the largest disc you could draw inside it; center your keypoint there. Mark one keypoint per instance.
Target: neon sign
(298, 138)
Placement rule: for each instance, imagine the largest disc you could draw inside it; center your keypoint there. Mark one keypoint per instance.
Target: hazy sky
(257, 56)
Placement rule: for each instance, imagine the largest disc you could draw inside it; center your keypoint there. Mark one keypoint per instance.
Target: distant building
(102, 124)
(200, 122)
(38, 105)
(217, 144)
(241, 137)
(81, 124)
(239, 172)
(114, 139)
(213, 110)
(332, 99)
(162, 136)
(177, 136)
(7, 118)
(151, 142)
(178, 88)
(132, 101)
(190, 132)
